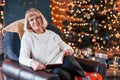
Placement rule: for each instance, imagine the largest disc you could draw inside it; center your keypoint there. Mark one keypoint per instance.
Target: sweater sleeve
(63, 45)
(25, 51)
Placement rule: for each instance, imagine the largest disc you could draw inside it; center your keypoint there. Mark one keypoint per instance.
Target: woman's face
(35, 22)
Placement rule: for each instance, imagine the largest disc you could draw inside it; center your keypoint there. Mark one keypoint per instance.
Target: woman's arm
(25, 51)
(68, 52)
(65, 47)
(36, 65)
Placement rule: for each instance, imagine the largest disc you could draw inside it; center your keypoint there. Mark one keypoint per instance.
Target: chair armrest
(11, 46)
(93, 66)
(14, 70)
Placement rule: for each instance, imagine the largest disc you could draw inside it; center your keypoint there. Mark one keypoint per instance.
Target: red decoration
(90, 76)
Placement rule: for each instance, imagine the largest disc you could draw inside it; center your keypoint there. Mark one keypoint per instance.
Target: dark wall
(15, 10)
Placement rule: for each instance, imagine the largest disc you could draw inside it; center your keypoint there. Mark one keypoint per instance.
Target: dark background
(15, 10)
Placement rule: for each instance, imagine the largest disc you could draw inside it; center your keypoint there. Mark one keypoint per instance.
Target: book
(50, 66)
(57, 61)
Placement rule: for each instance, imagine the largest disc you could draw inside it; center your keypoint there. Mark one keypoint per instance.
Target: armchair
(12, 69)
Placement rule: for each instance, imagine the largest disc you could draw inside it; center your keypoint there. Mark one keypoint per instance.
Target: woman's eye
(31, 20)
(37, 17)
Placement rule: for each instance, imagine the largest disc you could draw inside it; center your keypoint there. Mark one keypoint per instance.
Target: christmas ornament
(93, 1)
(75, 8)
(70, 35)
(106, 36)
(95, 24)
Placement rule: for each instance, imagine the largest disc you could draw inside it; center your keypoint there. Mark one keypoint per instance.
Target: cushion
(16, 26)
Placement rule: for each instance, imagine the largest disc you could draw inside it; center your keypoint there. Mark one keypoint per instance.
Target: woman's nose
(35, 20)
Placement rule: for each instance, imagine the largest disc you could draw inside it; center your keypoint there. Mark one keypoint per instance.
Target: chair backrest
(16, 9)
(12, 42)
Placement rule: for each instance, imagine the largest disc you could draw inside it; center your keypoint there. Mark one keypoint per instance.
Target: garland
(25, 3)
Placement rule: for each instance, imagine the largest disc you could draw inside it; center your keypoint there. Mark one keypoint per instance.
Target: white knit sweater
(46, 48)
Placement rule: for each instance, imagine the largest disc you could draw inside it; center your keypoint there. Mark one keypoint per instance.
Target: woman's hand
(36, 65)
(68, 52)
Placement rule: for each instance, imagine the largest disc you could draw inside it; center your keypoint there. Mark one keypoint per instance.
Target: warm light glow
(61, 8)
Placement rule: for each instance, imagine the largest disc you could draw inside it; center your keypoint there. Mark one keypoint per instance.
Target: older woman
(40, 46)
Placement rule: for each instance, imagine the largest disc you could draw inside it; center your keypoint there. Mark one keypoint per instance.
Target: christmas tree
(2, 3)
(94, 23)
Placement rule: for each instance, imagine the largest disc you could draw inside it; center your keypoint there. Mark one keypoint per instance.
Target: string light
(59, 9)
(2, 4)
